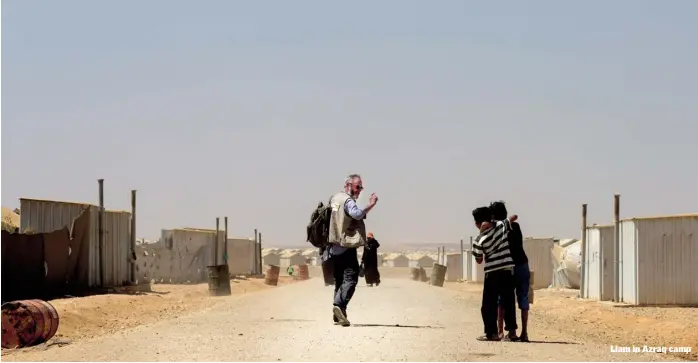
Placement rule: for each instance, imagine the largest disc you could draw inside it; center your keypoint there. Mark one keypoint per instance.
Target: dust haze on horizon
(254, 112)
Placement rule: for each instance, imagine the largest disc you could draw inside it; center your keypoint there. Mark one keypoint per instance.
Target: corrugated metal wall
(592, 264)
(667, 261)
(599, 262)
(608, 258)
(117, 248)
(628, 262)
(42, 216)
(540, 260)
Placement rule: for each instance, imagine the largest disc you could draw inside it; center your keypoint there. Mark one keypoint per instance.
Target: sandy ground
(97, 315)
(603, 322)
(401, 320)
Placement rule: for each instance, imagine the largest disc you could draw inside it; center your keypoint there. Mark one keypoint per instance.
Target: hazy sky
(258, 110)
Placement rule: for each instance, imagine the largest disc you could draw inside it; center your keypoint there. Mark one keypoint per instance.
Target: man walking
(492, 247)
(347, 232)
(522, 274)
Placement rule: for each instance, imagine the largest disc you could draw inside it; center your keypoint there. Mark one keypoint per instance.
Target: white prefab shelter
(290, 258)
(659, 260)
(418, 259)
(477, 270)
(467, 264)
(396, 260)
(270, 257)
(312, 257)
(540, 260)
(435, 257)
(598, 264)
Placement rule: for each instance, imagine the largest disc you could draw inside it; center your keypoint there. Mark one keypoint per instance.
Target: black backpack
(318, 229)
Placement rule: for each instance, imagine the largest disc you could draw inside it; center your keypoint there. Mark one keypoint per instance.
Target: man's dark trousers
(346, 276)
(498, 284)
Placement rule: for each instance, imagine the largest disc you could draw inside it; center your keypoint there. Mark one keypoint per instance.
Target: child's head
(499, 210)
(481, 215)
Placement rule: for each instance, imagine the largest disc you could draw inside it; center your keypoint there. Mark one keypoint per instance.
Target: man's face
(356, 187)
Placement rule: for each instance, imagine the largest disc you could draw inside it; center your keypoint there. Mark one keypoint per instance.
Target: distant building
(396, 260)
(419, 259)
(271, 257)
(290, 258)
(312, 257)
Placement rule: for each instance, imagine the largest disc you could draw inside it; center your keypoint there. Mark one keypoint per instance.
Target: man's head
(370, 235)
(481, 215)
(353, 185)
(499, 210)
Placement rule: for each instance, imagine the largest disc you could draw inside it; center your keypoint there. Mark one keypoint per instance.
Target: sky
(258, 110)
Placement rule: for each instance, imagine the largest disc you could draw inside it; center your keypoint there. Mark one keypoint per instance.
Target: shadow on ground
(551, 342)
(397, 326)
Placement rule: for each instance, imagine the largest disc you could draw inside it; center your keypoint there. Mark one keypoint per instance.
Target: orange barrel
(438, 275)
(28, 322)
(272, 276)
(303, 273)
(414, 273)
(218, 280)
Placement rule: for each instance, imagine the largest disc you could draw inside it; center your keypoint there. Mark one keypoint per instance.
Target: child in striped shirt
(492, 247)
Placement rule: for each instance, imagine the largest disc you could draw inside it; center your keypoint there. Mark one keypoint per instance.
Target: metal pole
(100, 228)
(225, 243)
(256, 250)
(583, 282)
(133, 235)
(259, 253)
(616, 247)
(443, 255)
(215, 248)
(462, 262)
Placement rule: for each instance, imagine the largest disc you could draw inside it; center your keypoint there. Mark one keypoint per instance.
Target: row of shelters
(62, 246)
(311, 256)
(656, 260)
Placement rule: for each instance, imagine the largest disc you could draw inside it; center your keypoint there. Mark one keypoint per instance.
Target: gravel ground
(401, 320)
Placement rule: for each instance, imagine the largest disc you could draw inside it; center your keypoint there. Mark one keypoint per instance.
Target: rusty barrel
(438, 275)
(303, 273)
(28, 322)
(423, 275)
(414, 273)
(218, 280)
(271, 277)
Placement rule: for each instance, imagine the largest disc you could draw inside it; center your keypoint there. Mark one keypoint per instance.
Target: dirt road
(401, 320)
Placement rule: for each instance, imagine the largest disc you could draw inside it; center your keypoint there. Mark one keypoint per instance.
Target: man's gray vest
(345, 230)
